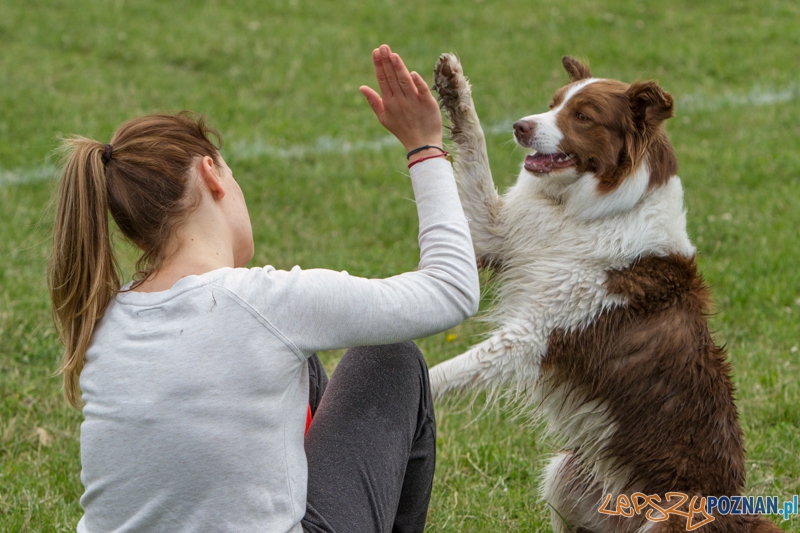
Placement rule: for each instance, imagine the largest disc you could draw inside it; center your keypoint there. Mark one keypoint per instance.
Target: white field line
(253, 149)
(27, 175)
(758, 96)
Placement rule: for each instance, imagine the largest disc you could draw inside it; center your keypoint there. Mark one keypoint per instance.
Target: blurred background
(326, 187)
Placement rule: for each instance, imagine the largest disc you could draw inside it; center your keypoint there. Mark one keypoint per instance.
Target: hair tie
(107, 154)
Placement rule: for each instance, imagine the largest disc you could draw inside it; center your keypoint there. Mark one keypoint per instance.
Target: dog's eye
(581, 116)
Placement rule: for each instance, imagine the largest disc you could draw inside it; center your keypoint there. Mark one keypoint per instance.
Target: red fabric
(308, 419)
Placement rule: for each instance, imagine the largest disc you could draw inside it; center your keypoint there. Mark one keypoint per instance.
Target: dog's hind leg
(575, 498)
(503, 358)
(562, 478)
(482, 204)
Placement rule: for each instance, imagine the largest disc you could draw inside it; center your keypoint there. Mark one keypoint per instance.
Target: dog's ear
(651, 105)
(575, 69)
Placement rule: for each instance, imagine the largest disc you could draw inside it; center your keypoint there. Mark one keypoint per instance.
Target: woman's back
(194, 414)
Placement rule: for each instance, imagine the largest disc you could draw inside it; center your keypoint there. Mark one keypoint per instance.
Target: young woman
(197, 378)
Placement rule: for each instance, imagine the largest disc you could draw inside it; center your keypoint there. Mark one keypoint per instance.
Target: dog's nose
(523, 131)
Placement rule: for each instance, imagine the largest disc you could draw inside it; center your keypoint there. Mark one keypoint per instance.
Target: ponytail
(143, 178)
(82, 274)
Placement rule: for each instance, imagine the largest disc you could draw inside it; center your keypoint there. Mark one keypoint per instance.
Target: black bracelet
(421, 148)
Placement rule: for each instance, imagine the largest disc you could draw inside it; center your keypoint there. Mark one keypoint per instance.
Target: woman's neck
(193, 256)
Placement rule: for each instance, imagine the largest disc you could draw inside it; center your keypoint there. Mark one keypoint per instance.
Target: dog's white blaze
(547, 136)
(572, 91)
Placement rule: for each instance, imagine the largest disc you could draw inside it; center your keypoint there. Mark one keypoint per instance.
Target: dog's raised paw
(453, 88)
(449, 80)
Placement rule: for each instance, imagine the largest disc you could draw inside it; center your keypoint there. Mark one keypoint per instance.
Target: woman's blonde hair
(142, 177)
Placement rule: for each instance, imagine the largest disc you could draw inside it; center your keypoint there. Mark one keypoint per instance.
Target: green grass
(280, 80)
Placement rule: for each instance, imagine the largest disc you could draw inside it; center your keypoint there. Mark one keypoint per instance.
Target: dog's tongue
(543, 163)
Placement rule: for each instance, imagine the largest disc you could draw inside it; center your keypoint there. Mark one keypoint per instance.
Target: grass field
(326, 187)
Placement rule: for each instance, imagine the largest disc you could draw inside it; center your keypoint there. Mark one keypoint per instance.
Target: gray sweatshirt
(196, 397)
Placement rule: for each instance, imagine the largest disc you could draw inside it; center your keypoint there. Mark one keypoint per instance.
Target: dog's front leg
(482, 205)
(503, 358)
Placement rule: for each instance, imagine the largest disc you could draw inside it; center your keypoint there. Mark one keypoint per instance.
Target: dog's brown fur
(666, 382)
(646, 374)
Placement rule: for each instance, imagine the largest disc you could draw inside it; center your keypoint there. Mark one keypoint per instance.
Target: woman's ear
(210, 177)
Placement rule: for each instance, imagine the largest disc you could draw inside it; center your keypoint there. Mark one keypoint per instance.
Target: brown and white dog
(601, 312)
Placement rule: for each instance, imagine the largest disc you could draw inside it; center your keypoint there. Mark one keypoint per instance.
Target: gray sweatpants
(371, 447)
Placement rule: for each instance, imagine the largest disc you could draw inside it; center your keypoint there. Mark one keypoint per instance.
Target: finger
(388, 68)
(374, 100)
(403, 76)
(422, 88)
(380, 74)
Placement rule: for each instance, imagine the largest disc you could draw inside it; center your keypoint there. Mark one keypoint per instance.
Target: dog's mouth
(539, 163)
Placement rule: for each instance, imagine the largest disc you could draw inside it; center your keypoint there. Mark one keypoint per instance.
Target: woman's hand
(405, 105)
